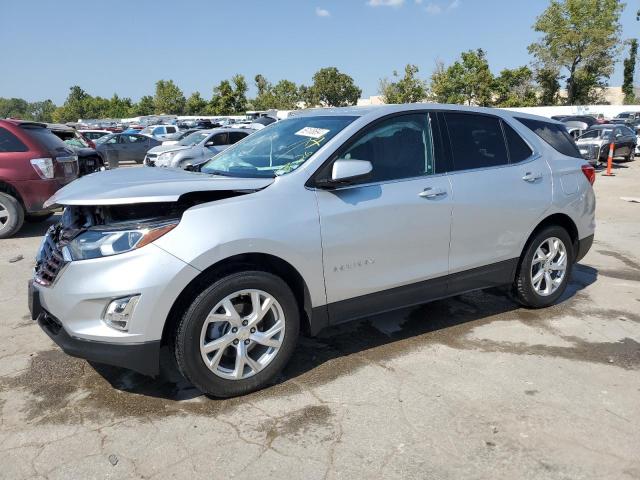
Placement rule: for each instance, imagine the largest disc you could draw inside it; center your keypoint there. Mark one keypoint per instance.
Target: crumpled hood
(146, 185)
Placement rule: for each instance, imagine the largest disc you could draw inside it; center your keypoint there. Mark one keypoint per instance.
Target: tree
(118, 107)
(580, 37)
(468, 81)
(240, 89)
(42, 111)
(629, 70)
(547, 80)
(168, 99)
(331, 88)
(146, 106)
(14, 107)
(222, 101)
(196, 105)
(286, 95)
(514, 88)
(408, 89)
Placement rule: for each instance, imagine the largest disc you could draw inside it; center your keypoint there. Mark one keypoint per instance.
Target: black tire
(523, 285)
(12, 215)
(187, 339)
(38, 217)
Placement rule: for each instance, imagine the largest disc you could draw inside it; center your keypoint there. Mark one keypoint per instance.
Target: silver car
(194, 149)
(326, 217)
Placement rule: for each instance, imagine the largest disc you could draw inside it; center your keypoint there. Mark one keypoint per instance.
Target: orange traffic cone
(610, 161)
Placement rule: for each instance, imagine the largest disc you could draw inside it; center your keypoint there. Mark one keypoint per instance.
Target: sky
(124, 47)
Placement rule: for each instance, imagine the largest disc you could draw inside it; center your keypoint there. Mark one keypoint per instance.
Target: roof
(382, 110)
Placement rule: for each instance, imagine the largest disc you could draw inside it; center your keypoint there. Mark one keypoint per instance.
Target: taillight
(43, 167)
(590, 173)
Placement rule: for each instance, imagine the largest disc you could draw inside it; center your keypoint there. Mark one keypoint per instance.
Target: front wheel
(238, 334)
(544, 269)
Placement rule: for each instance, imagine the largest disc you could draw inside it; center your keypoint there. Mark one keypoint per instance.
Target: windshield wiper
(220, 173)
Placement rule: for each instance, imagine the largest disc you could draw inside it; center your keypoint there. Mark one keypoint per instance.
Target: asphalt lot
(470, 387)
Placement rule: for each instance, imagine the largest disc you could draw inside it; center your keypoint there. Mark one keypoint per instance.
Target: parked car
(588, 119)
(159, 131)
(176, 137)
(34, 164)
(124, 147)
(628, 118)
(325, 217)
(194, 149)
(88, 159)
(93, 135)
(594, 144)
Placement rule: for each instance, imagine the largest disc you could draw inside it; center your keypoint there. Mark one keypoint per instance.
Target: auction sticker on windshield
(312, 132)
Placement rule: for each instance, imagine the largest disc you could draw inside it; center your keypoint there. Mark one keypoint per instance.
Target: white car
(159, 131)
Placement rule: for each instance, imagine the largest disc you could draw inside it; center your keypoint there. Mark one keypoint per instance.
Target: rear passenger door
(500, 191)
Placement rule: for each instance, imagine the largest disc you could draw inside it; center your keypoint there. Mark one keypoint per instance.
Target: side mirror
(348, 170)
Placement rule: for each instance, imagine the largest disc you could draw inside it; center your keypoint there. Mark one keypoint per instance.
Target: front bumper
(141, 357)
(77, 300)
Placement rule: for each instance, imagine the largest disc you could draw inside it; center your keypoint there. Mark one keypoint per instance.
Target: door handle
(531, 177)
(432, 192)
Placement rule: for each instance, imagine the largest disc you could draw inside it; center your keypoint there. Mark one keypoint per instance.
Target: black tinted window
(518, 149)
(236, 136)
(219, 139)
(400, 147)
(554, 134)
(476, 141)
(10, 143)
(44, 137)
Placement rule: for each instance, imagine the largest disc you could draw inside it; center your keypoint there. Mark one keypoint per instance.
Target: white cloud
(437, 9)
(433, 9)
(321, 12)
(385, 3)
(419, 2)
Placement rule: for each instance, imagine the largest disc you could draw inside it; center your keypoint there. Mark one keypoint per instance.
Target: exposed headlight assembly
(166, 157)
(105, 241)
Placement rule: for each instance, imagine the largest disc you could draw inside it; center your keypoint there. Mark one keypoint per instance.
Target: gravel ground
(470, 387)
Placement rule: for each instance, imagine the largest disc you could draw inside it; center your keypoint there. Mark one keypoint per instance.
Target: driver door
(385, 239)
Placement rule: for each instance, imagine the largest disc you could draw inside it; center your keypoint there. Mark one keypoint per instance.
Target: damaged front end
(87, 232)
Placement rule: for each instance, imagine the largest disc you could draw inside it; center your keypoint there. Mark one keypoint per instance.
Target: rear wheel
(11, 215)
(545, 267)
(238, 334)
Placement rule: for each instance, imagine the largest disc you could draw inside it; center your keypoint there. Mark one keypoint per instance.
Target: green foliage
(581, 38)
(14, 107)
(229, 97)
(549, 86)
(146, 106)
(168, 98)
(285, 95)
(629, 71)
(514, 88)
(331, 88)
(408, 89)
(196, 105)
(467, 81)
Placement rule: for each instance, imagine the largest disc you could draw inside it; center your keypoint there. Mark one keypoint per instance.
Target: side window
(219, 139)
(236, 136)
(400, 147)
(518, 148)
(135, 139)
(10, 143)
(171, 129)
(158, 131)
(554, 134)
(476, 141)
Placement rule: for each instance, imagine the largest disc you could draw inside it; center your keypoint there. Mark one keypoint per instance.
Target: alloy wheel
(242, 334)
(549, 266)
(4, 216)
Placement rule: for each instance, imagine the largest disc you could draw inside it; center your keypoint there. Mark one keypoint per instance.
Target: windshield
(624, 115)
(104, 138)
(193, 139)
(277, 149)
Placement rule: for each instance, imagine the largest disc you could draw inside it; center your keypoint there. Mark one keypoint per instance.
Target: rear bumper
(35, 192)
(584, 245)
(141, 357)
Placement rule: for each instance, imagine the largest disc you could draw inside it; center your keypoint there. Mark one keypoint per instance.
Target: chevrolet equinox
(328, 216)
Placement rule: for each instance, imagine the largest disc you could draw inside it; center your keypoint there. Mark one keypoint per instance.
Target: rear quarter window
(10, 143)
(554, 135)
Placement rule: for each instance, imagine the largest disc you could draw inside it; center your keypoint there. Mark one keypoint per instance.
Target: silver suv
(328, 216)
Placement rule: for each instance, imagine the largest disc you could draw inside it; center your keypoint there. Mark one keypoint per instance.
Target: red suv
(34, 164)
